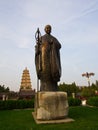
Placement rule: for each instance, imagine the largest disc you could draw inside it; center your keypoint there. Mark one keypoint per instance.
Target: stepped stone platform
(58, 121)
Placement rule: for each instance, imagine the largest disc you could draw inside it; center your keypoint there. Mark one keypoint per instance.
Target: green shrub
(93, 101)
(74, 101)
(16, 104)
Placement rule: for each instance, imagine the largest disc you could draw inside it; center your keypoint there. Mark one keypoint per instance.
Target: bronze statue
(47, 60)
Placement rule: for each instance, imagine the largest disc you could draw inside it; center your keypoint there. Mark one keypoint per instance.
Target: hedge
(16, 104)
(22, 104)
(93, 101)
(74, 101)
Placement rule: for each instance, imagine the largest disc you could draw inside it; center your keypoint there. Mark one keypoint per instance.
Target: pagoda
(26, 87)
(25, 81)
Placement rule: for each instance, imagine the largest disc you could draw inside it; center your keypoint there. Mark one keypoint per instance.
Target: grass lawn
(86, 118)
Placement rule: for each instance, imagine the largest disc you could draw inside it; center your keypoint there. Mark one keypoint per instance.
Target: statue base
(51, 107)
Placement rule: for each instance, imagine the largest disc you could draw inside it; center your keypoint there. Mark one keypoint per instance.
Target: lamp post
(88, 75)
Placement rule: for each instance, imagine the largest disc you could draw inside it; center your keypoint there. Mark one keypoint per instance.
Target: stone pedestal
(51, 105)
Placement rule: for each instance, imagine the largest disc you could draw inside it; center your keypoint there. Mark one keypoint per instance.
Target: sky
(75, 25)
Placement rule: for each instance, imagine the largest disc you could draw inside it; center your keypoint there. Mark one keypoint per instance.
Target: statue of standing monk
(47, 61)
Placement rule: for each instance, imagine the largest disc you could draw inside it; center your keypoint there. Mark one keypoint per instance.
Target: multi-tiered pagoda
(26, 87)
(26, 81)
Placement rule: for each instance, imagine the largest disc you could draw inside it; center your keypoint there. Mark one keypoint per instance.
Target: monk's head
(48, 29)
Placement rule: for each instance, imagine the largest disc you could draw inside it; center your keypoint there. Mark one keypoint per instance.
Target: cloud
(31, 15)
(79, 11)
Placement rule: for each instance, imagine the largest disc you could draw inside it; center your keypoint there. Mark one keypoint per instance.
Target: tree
(69, 88)
(87, 92)
(96, 83)
(4, 89)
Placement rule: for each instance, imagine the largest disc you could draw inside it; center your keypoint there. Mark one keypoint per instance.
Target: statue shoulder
(55, 40)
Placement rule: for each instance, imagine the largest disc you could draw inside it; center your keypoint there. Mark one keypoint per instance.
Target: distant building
(26, 91)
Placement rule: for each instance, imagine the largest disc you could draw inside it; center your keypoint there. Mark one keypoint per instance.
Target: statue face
(48, 29)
